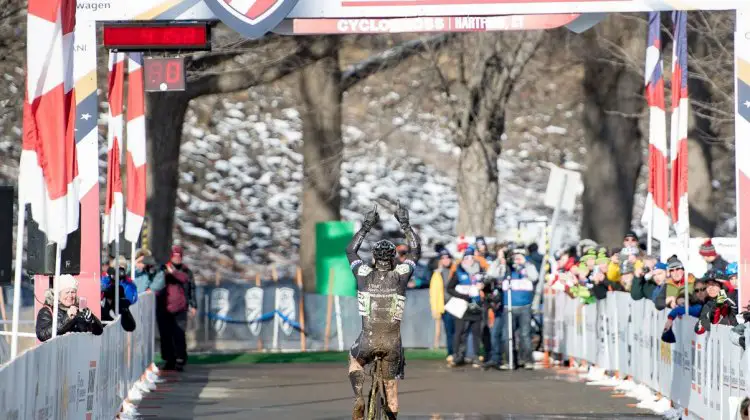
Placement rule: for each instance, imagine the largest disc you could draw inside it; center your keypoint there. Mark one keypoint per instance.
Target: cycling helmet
(384, 250)
(732, 269)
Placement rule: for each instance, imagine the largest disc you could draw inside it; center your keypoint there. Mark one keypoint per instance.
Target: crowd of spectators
(506, 278)
(502, 291)
(712, 298)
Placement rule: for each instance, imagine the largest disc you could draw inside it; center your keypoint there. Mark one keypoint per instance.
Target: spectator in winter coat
(676, 283)
(645, 285)
(147, 274)
(718, 309)
(467, 284)
(70, 316)
(439, 296)
(518, 291)
(627, 272)
(731, 273)
(713, 260)
(535, 257)
(173, 304)
(602, 285)
(108, 281)
(481, 250)
(630, 240)
(696, 305)
(434, 261)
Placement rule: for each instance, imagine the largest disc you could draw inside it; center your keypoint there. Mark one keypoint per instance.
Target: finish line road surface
(430, 391)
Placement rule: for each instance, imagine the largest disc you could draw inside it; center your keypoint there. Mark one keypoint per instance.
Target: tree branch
(390, 58)
(232, 81)
(214, 58)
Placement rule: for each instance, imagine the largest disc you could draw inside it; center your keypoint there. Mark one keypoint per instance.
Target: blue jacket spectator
(520, 281)
(131, 291)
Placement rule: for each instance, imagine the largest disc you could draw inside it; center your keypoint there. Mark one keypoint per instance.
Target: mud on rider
(381, 296)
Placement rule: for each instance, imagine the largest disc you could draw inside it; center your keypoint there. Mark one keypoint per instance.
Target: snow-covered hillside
(241, 183)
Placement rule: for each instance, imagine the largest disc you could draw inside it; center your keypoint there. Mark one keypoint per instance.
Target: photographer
(72, 314)
(128, 295)
(147, 273)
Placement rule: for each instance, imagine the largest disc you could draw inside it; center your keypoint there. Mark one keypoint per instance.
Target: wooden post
(276, 318)
(329, 310)
(217, 279)
(303, 338)
(257, 284)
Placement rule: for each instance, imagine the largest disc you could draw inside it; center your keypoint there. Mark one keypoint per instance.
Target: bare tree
(489, 66)
(240, 64)
(322, 85)
(711, 91)
(613, 104)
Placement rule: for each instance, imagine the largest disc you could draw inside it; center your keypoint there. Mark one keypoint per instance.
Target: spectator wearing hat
(650, 284)
(694, 309)
(173, 304)
(70, 316)
(481, 249)
(677, 281)
(718, 309)
(147, 274)
(713, 260)
(627, 273)
(613, 268)
(439, 296)
(519, 292)
(467, 283)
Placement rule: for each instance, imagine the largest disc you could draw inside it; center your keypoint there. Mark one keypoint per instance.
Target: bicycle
(376, 402)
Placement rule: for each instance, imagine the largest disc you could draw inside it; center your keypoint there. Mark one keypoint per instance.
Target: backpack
(176, 298)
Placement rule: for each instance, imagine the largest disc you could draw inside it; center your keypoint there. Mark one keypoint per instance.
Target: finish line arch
(255, 18)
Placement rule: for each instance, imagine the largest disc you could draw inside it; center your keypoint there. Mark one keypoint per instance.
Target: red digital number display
(164, 74)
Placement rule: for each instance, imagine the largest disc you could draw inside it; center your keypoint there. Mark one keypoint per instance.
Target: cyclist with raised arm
(381, 295)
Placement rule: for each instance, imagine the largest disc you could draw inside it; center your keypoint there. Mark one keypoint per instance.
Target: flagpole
(650, 234)
(132, 260)
(117, 274)
(17, 279)
(56, 303)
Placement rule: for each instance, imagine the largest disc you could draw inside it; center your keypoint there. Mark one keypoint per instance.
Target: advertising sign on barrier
(79, 375)
(704, 373)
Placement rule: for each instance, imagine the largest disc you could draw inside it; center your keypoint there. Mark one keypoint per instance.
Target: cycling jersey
(381, 298)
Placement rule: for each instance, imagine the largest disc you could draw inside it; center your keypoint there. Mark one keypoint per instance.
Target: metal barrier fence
(80, 376)
(701, 373)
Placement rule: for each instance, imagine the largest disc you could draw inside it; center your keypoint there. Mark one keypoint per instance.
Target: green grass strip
(298, 357)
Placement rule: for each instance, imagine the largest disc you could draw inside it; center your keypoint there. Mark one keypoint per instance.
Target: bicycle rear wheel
(376, 403)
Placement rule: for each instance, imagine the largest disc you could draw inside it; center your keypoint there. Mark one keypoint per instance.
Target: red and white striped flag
(656, 214)
(679, 145)
(48, 178)
(113, 207)
(136, 150)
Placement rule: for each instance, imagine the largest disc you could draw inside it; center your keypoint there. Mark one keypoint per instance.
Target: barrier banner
(79, 375)
(242, 315)
(704, 373)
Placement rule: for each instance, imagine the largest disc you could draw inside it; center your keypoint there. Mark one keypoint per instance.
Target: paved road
(430, 391)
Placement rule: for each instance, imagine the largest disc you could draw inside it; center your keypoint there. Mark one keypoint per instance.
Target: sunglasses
(703, 289)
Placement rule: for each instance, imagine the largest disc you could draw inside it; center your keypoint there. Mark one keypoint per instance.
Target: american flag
(113, 207)
(679, 146)
(136, 150)
(656, 213)
(48, 178)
